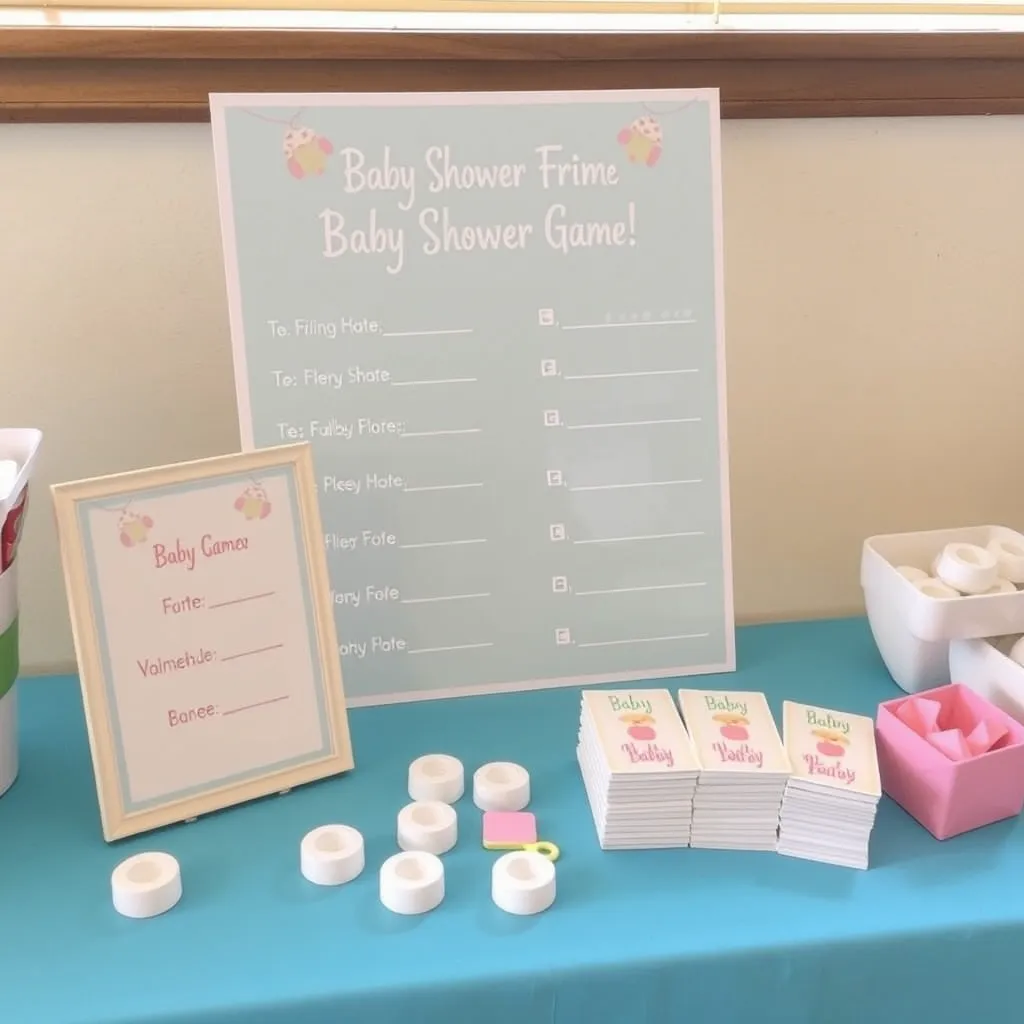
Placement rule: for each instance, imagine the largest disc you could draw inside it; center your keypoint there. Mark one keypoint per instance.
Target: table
(933, 931)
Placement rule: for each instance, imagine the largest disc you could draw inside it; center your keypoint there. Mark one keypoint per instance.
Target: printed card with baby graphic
(639, 731)
(733, 731)
(831, 748)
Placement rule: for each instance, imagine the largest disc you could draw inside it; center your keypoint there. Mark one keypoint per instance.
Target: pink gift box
(950, 797)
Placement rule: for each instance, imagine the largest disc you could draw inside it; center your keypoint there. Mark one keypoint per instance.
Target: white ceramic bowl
(912, 630)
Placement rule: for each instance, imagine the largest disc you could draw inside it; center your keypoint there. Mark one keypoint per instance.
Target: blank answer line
(627, 323)
(447, 597)
(457, 647)
(258, 704)
(632, 373)
(446, 380)
(426, 334)
(444, 543)
(241, 600)
(646, 483)
(643, 536)
(438, 433)
(644, 640)
(637, 590)
(632, 423)
(440, 487)
(259, 650)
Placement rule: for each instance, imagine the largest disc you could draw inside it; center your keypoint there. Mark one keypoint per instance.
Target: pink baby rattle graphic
(306, 152)
(831, 743)
(134, 528)
(638, 725)
(732, 726)
(253, 502)
(642, 140)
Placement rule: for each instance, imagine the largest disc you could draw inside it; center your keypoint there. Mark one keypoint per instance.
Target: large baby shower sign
(498, 320)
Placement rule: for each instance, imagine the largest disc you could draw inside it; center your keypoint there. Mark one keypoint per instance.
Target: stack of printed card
(829, 808)
(639, 769)
(743, 769)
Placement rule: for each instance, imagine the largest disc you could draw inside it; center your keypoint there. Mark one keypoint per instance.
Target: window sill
(164, 72)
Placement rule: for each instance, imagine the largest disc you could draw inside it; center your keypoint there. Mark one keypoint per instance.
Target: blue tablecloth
(933, 931)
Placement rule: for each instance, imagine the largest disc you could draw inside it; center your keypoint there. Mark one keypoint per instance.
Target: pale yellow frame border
(117, 824)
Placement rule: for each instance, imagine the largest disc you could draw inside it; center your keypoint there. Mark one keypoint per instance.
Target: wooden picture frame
(199, 591)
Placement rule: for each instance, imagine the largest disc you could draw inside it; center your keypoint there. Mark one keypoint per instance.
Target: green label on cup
(8, 657)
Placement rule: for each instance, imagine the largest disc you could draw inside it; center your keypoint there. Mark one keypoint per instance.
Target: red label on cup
(10, 533)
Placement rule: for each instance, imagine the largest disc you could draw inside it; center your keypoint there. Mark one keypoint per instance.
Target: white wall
(875, 325)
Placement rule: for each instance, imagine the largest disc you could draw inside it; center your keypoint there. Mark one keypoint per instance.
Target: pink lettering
(211, 548)
(189, 715)
(178, 555)
(830, 769)
(743, 754)
(150, 667)
(641, 753)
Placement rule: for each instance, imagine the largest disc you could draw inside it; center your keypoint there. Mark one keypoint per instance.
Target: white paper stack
(743, 769)
(829, 808)
(638, 767)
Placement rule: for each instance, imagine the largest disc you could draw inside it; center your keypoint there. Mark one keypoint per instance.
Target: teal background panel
(520, 451)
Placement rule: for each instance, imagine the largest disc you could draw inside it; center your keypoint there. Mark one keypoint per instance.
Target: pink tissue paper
(951, 759)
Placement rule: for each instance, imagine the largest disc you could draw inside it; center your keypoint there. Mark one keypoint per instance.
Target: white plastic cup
(412, 882)
(523, 882)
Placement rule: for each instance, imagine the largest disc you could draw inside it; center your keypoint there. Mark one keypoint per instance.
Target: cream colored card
(733, 730)
(202, 619)
(640, 731)
(831, 747)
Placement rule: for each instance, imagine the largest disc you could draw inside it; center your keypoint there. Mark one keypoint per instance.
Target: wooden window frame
(61, 74)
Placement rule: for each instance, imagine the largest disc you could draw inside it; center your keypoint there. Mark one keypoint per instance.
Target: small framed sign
(206, 644)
